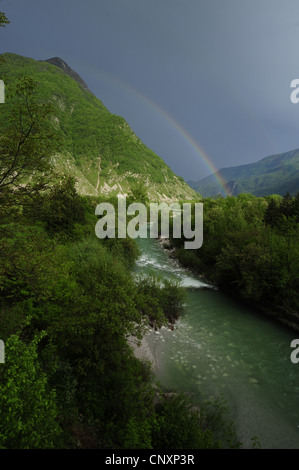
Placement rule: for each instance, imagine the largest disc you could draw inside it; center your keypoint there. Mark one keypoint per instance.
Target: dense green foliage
(28, 407)
(180, 426)
(276, 174)
(250, 249)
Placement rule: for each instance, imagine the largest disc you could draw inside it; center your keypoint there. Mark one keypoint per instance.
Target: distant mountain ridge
(275, 174)
(68, 70)
(98, 148)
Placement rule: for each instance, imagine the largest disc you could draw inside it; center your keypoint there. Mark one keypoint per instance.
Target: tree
(3, 20)
(272, 213)
(26, 145)
(62, 207)
(286, 206)
(139, 192)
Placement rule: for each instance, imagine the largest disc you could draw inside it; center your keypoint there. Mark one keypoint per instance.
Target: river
(221, 349)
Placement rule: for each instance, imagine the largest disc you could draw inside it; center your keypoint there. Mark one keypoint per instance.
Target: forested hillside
(276, 174)
(97, 148)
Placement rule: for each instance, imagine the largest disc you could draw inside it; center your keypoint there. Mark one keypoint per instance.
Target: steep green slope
(98, 148)
(274, 174)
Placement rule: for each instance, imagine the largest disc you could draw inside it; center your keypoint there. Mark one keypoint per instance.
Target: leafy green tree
(3, 20)
(178, 426)
(28, 409)
(287, 204)
(31, 266)
(61, 208)
(138, 434)
(272, 213)
(27, 142)
(296, 207)
(139, 192)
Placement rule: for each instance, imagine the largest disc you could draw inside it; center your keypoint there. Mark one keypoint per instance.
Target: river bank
(142, 350)
(276, 313)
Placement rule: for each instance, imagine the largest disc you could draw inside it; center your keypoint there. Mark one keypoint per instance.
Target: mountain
(68, 70)
(276, 174)
(97, 147)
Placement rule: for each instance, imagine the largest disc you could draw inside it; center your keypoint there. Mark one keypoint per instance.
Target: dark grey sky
(195, 79)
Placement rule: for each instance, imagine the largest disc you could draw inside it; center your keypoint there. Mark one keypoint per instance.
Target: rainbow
(178, 127)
